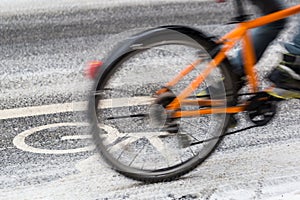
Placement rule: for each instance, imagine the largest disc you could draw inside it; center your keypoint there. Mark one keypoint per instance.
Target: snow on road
(31, 6)
(267, 172)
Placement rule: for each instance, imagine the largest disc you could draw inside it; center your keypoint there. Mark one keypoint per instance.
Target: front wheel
(127, 132)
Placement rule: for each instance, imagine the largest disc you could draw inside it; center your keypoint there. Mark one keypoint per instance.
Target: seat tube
(249, 62)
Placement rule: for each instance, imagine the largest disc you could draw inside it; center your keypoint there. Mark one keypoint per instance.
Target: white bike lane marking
(70, 107)
(20, 143)
(19, 140)
(42, 110)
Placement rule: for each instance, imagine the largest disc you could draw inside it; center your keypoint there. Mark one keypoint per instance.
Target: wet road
(42, 58)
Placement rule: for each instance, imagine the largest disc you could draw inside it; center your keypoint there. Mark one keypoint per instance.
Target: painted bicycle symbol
(20, 140)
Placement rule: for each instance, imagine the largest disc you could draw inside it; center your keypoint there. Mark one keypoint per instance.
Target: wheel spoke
(170, 155)
(122, 144)
(134, 125)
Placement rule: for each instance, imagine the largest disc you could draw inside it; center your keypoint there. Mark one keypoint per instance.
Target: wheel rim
(134, 146)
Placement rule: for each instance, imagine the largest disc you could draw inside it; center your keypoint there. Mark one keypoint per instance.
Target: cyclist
(286, 76)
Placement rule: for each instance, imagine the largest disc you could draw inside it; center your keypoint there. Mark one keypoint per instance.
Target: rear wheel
(129, 120)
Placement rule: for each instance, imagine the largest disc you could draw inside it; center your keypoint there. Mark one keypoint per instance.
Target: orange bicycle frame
(240, 33)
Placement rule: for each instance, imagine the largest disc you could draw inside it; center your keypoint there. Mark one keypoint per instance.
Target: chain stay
(260, 99)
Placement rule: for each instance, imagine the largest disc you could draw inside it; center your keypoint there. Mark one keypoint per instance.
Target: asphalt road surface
(45, 145)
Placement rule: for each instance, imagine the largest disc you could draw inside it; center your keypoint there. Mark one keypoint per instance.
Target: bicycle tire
(107, 82)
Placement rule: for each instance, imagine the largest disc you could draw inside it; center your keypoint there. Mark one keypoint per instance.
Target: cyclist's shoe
(292, 61)
(286, 78)
(283, 93)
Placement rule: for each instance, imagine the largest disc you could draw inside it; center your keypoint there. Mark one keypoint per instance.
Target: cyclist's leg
(286, 76)
(261, 36)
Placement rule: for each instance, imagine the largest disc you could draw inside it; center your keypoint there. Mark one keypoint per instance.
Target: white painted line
(70, 107)
(41, 110)
(76, 137)
(19, 140)
(125, 102)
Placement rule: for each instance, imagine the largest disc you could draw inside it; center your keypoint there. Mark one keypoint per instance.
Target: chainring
(262, 108)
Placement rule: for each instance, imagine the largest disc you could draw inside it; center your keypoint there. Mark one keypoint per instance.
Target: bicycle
(165, 129)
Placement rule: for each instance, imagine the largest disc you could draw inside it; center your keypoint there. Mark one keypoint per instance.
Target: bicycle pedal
(233, 122)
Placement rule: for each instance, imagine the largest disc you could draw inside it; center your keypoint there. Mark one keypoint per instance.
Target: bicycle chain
(253, 101)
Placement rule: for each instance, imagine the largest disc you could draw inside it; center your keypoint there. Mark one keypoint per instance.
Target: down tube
(199, 79)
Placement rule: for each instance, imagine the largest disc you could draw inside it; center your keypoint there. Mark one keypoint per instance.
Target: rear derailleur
(162, 118)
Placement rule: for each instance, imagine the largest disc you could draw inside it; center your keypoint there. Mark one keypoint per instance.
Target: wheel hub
(159, 116)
